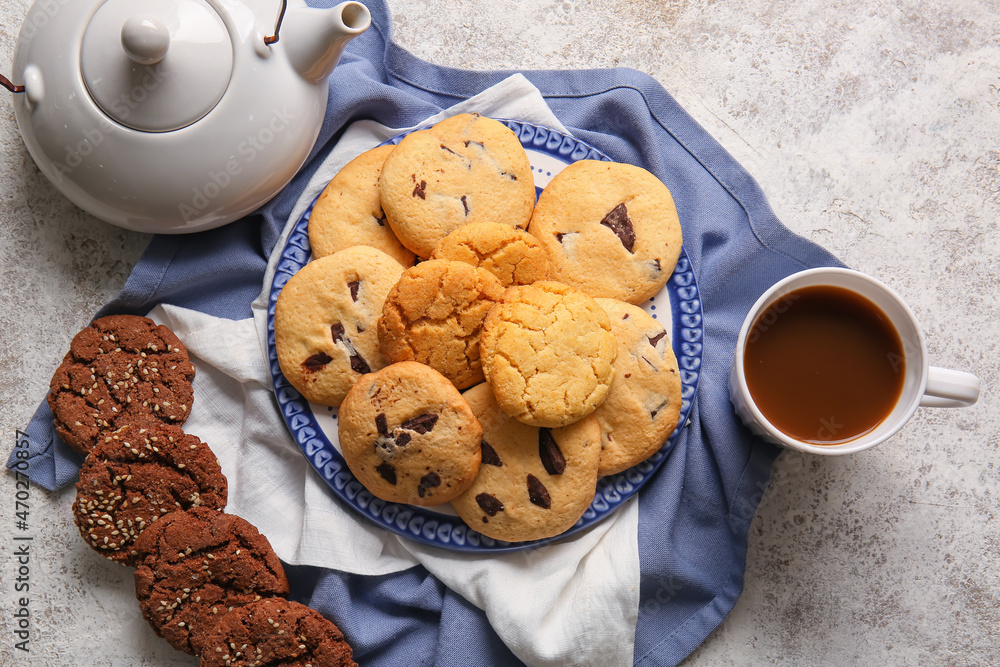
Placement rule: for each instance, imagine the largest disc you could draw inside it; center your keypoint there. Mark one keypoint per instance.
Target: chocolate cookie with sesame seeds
(119, 370)
(276, 632)
(137, 474)
(195, 566)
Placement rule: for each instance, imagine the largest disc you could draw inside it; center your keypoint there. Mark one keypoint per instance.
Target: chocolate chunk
(317, 362)
(359, 365)
(381, 219)
(538, 494)
(421, 423)
(353, 286)
(402, 438)
(561, 235)
(617, 221)
(465, 205)
(489, 504)
(445, 148)
(420, 190)
(478, 143)
(490, 456)
(387, 471)
(548, 451)
(382, 424)
(655, 411)
(653, 340)
(428, 481)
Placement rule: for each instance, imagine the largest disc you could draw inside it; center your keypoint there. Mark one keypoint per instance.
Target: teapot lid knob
(145, 39)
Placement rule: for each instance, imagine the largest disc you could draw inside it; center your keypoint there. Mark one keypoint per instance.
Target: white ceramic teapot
(174, 116)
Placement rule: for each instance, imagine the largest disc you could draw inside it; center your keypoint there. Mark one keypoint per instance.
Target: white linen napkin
(571, 602)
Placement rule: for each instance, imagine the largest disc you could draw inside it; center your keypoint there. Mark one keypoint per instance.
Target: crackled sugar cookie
(276, 632)
(198, 565)
(119, 370)
(325, 321)
(137, 474)
(609, 229)
(548, 351)
(514, 256)
(349, 211)
(434, 315)
(409, 436)
(644, 404)
(533, 482)
(467, 168)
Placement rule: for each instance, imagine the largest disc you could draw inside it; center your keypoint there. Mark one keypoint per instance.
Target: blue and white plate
(314, 427)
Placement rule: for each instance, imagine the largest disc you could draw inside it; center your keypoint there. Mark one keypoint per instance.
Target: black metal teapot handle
(277, 26)
(5, 82)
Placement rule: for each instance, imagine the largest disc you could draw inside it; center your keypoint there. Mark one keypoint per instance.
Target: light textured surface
(872, 129)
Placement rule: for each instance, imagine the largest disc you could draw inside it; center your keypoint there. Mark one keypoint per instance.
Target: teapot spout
(315, 38)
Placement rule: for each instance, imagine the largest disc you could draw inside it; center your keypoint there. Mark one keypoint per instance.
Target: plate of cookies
(485, 335)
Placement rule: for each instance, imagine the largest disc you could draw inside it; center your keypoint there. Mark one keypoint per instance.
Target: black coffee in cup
(824, 364)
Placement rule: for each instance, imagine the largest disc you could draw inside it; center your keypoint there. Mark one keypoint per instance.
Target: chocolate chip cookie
(533, 482)
(349, 211)
(409, 436)
(137, 474)
(119, 370)
(609, 229)
(467, 168)
(275, 632)
(548, 353)
(434, 314)
(644, 403)
(198, 565)
(512, 255)
(325, 321)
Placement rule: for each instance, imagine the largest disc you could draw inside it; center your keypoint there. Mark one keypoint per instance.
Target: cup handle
(947, 388)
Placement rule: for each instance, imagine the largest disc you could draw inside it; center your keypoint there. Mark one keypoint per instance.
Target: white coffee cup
(923, 384)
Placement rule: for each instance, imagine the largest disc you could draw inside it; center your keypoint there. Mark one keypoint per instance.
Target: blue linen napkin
(694, 516)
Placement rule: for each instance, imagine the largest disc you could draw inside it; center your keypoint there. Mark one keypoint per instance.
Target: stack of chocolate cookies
(152, 496)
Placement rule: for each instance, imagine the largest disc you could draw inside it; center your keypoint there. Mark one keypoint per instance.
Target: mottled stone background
(872, 127)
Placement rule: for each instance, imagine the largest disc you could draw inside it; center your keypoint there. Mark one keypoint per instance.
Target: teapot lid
(156, 65)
